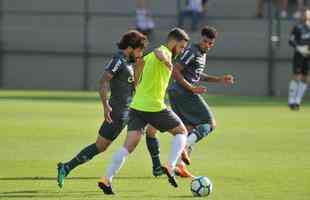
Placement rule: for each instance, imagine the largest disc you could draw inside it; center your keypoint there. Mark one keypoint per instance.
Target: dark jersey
(121, 85)
(194, 61)
(300, 35)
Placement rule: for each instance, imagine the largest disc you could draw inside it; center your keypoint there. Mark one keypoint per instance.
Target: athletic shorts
(300, 64)
(111, 131)
(191, 108)
(163, 120)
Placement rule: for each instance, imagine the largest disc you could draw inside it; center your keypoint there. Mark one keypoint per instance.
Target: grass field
(260, 150)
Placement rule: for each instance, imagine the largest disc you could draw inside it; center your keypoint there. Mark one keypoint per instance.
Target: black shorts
(163, 120)
(300, 64)
(191, 108)
(112, 131)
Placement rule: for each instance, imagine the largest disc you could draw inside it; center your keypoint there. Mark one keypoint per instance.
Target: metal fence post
(86, 53)
(1, 44)
(271, 50)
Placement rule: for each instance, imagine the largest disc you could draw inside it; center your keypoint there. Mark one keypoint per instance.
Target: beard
(174, 52)
(132, 57)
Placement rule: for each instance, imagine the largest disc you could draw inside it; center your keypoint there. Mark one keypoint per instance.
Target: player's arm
(225, 79)
(112, 68)
(139, 66)
(103, 92)
(160, 55)
(179, 78)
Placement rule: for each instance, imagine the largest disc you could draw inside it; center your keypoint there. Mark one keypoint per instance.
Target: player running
(148, 107)
(119, 75)
(186, 100)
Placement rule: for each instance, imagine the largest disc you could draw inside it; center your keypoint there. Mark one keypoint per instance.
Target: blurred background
(64, 44)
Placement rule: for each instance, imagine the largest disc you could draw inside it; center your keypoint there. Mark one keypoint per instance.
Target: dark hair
(178, 35)
(133, 39)
(209, 32)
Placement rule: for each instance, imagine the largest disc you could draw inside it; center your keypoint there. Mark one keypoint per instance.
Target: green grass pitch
(260, 150)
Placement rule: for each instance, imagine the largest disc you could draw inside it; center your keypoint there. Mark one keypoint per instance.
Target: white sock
(117, 161)
(302, 87)
(191, 139)
(178, 145)
(292, 91)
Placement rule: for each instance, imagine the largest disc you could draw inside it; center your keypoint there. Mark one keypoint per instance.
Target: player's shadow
(43, 178)
(46, 194)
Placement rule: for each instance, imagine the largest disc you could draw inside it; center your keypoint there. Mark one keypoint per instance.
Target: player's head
(133, 43)
(178, 39)
(208, 37)
(306, 16)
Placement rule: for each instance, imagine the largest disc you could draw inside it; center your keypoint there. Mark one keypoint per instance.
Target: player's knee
(204, 130)
(151, 132)
(180, 129)
(102, 144)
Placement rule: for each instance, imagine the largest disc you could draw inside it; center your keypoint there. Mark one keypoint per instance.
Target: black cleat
(294, 107)
(105, 187)
(158, 171)
(171, 178)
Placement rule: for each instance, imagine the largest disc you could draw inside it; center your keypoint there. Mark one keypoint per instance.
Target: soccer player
(300, 41)
(185, 97)
(148, 107)
(119, 76)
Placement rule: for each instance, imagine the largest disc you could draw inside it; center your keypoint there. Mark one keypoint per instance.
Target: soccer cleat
(105, 186)
(171, 177)
(62, 173)
(185, 157)
(295, 107)
(181, 171)
(158, 171)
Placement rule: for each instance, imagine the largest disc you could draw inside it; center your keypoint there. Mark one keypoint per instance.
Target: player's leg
(107, 134)
(118, 160)
(193, 111)
(177, 147)
(294, 83)
(152, 144)
(167, 120)
(134, 134)
(303, 83)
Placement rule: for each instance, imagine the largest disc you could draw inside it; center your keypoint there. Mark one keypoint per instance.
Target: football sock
(85, 155)
(117, 161)
(302, 87)
(292, 92)
(198, 133)
(178, 145)
(154, 150)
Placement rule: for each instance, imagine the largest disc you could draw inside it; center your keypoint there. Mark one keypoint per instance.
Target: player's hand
(199, 90)
(303, 50)
(161, 56)
(107, 113)
(228, 79)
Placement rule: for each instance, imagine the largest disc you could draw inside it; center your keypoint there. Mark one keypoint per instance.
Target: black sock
(153, 147)
(85, 155)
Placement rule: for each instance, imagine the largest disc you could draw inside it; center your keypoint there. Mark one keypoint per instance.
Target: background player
(300, 41)
(119, 75)
(185, 99)
(148, 107)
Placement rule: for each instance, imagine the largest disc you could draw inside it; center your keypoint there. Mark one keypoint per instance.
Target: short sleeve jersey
(121, 85)
(300, 35)
(193, 61)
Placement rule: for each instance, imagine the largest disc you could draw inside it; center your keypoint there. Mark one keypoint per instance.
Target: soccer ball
(201, 186)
